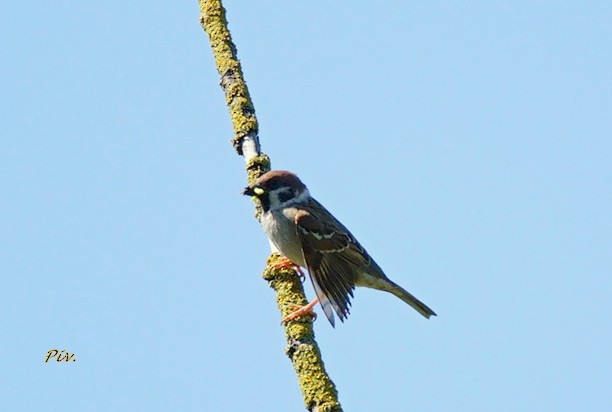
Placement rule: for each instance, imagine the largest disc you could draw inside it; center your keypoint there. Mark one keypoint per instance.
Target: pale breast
(280, 228)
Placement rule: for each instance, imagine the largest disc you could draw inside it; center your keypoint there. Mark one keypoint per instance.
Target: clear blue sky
(468, 146)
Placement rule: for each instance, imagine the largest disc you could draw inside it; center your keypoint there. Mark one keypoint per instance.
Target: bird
(310, 237)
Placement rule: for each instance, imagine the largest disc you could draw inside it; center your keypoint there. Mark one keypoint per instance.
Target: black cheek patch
(285, 196)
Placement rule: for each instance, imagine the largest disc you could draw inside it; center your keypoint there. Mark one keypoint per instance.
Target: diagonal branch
(318, 390)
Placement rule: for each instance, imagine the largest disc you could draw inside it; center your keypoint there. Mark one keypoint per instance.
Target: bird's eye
(259, 191)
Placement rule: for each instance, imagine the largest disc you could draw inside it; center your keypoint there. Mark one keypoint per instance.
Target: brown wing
(332, 257)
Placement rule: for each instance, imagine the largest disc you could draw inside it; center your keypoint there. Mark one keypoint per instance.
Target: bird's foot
(284, 263)
(301, 311)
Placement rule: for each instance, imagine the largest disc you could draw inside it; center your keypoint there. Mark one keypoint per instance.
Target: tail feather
(375, 278)
(407, 297)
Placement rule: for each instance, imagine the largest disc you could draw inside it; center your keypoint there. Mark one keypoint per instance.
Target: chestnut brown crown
(272, 180)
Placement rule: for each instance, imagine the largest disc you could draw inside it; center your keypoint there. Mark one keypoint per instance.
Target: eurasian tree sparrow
(309, 236)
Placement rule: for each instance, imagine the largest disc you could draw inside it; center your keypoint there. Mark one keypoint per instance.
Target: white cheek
(276, 204)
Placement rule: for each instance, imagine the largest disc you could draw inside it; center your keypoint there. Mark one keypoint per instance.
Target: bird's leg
(284, 263)
(303, 310)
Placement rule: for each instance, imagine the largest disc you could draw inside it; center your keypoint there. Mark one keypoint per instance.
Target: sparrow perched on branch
(310, 237)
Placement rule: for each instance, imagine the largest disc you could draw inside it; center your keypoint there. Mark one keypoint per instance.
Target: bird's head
(277, 189)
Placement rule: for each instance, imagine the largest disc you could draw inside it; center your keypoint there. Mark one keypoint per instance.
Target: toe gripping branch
(317, 388)
(281, 275)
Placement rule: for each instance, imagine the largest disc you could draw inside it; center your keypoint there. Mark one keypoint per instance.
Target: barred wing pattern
(333, 257)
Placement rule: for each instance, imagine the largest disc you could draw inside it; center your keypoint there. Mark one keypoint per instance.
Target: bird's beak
(253, 191)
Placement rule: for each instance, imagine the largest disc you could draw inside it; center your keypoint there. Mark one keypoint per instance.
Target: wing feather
(332, 257)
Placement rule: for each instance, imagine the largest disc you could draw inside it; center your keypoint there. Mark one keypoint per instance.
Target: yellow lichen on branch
(319, 392)
(242, 112)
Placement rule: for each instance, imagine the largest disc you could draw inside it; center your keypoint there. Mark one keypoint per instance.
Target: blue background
(467, 145)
